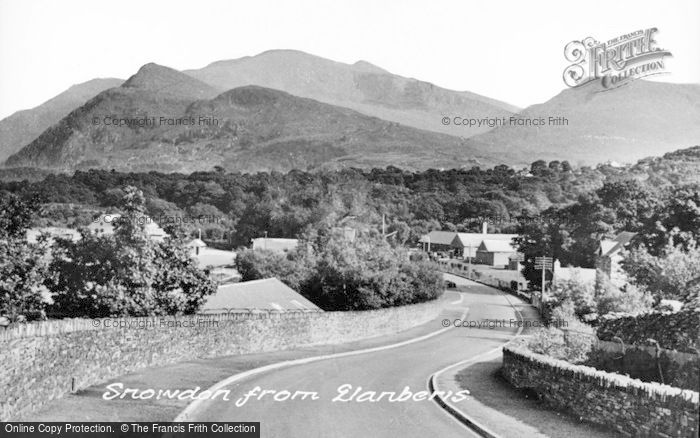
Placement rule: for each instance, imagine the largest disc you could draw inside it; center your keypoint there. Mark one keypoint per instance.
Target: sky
(507, 50)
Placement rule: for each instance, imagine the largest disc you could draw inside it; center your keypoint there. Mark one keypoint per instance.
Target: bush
(581, 294)
(572, 343)
(672, 275)
(629, 299)
(339, 274)
(257, 264)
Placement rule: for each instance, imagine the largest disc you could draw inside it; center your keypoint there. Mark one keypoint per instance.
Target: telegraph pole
(543, 263)
(469, 260)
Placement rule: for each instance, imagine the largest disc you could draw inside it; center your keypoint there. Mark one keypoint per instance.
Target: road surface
(388, 370)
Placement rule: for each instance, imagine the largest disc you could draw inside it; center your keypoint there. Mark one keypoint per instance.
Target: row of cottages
(484, 248)
(102, 225)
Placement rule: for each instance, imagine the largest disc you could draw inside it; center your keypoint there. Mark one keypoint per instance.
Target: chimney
(485, 228)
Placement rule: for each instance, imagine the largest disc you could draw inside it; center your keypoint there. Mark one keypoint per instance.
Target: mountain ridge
(257, 129)
(642, 119)
(361, 86)
(21, 127)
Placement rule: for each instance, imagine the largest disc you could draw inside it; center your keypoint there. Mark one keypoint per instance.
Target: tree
(126, 273)
(674, 274)
(23, 265)
(538, 166)
(340, 274)
(16, 215)
(259, 264)
(538, 239)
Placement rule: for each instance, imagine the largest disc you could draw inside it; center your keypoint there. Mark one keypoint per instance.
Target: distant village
(491, 256)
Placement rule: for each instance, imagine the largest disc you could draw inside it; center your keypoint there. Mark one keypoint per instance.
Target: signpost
(543, 263)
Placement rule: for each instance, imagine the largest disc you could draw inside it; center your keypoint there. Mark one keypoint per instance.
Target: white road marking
(470, 361)
(461, 298)
(188, 413)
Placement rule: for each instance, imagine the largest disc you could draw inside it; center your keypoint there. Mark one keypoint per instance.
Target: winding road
(386, 370)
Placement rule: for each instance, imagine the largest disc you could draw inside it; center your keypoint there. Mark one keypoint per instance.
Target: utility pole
(543, 263)
(469, 260)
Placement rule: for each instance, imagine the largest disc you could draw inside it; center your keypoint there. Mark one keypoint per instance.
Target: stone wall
(631, 407)
(672, 367)
(673, 331)
(45, 360)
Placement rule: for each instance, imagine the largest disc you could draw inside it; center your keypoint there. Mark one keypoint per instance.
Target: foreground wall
(632, 407)
(672, 330)
(45, 360)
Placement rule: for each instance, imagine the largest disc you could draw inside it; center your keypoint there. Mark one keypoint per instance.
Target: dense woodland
(557, 210)
(236, 207)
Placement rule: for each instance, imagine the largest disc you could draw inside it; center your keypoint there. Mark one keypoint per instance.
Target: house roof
(275, 244)
(265, 294)
(609, 247)
(196, 243)
(213, 257)
(490, 245)
(464, 240)
(438, 237)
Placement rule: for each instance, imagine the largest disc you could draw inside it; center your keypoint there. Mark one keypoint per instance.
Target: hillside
(22, 127)
(626, 124)
(361, 86)
(257, 129)
(81, 139)
(672, 169)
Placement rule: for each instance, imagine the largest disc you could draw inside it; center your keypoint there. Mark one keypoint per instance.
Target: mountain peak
(158, 78)
(150, 74)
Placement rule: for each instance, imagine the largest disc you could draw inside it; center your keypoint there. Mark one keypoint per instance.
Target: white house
(467, 244)
(494, 252)
(609, 257)
(104, 224)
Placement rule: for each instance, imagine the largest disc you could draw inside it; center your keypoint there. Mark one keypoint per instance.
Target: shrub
(673, 275)
(573, 342)
(581, 294)
(570, 346)
(258, 264)
(339, 274)
(629, 299)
